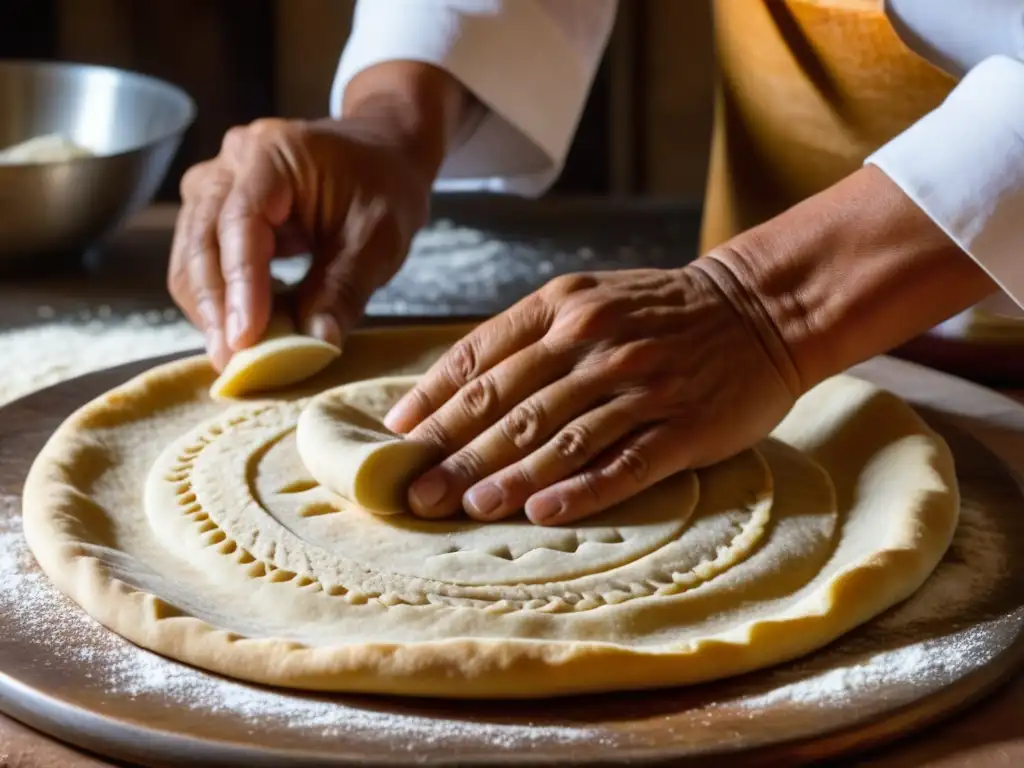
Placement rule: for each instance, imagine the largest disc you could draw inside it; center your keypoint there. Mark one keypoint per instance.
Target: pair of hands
(583, 394)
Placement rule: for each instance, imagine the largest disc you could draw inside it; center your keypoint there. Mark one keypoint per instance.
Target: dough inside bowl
(50, 148)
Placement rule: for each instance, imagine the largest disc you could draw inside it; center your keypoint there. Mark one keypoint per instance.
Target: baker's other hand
(332, 188)
(352, 192)
(593, 389)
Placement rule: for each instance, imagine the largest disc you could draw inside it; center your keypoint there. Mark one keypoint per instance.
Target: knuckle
(208, 297)
(524, 424)
(264, 125)
(532, 312)
(665, 392)
(432, 431)
(221, 179)
(465, 464)
(208, 311)
(567, 285)
(197, 251)
(517, 484)
(574, 444)
(235, 213)
(177, 282)
(192, 179)
(588, 484)
(479, 398)
(633, 358)
(630, 463)
(591, 320)
(202, 229)
(234, 138)
(205, 180)
(195, 255)
(461, 363)
(239, 271)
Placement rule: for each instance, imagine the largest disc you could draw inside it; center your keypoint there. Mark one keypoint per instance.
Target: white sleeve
(963, 163)
(530, 63)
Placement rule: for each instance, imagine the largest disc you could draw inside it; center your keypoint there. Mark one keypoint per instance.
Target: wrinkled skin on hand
(335, 189)
(591, 390)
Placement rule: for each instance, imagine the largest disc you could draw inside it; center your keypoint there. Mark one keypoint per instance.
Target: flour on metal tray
(48, 618)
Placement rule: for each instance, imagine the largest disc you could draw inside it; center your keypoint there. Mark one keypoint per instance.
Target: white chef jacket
(531, 64)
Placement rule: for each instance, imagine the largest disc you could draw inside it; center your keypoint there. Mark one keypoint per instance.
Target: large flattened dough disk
(193, 528)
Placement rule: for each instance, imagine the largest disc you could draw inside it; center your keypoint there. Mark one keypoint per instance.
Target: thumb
(332, 298)
(334, 294)
(259, 202)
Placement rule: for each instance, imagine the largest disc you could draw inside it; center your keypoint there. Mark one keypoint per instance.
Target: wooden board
(839, 700)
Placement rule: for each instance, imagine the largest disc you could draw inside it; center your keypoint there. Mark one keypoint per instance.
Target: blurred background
(645, 133)
(630, 195)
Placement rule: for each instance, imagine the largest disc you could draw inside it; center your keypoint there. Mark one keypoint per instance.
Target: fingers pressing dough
(350, 452)
(283, 358)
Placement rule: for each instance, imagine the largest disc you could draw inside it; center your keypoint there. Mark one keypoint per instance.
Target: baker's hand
(593, 389)
(336, 189)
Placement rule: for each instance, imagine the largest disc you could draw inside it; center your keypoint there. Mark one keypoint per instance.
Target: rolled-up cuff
(963, 164)
(511, 56)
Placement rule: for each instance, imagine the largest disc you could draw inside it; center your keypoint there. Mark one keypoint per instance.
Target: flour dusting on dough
(70, 637)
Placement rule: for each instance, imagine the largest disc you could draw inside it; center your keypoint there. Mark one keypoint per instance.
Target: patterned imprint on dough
(666, 583)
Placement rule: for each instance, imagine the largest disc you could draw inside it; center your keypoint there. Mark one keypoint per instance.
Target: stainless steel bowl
(134, 125)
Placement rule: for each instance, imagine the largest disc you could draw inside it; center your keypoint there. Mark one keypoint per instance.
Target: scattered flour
(46, 354)
(836, 680)
(907, 671)
(69, 640)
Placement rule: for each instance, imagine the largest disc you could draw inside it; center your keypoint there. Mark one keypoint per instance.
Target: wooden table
(989, 736)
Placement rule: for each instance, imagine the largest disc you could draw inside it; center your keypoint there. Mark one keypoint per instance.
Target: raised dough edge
(510, 669)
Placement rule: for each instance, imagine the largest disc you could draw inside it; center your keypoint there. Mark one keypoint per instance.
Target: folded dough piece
(283, 358)
(351, 453)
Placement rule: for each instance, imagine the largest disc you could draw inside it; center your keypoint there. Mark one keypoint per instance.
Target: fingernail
(483, 500)
(323, 327)
(234, 329)
(215, 349)
(543, 509)
(399, 416)
(429, 490)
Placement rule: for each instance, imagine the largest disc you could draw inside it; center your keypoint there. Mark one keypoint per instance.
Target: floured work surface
(195, 530)
(952, 639)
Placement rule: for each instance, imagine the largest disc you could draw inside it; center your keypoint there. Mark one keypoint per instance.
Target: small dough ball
(351, 453)
(283, 358)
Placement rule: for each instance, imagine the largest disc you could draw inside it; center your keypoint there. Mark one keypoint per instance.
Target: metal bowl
(132, 123)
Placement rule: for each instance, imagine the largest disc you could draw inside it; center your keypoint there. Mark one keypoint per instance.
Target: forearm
(529, 65)
(419, 106)
(851, 273)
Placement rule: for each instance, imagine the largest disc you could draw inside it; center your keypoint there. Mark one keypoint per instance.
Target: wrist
(752, 312)
(416, 107)
(851, 273)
